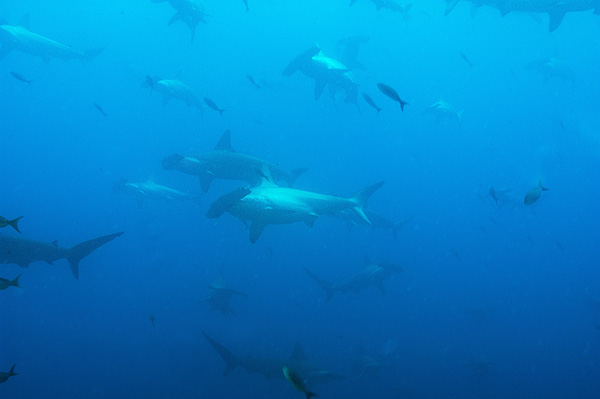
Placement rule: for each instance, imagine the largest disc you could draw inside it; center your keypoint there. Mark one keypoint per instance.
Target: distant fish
(391, 93)
(297, 382)
(466, 59)
(151, 318)
(370, 101)
(20, 77)
(99, 108)
(493, 194)
(252, 81)
(534, 194)
(211, 104)
(4, 376)
(12, 223)
(246, 4)
(4, 283)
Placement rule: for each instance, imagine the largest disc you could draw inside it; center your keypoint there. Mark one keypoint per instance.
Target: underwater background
(496, 298)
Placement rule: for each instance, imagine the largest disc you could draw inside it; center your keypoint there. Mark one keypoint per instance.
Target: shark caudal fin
(293, 175)
(361, 197)
(91, 54)
(12, 371)
(15, 282)
(327, 286)
(83, 249)
(539, 184)
(15, 223)
(231, 360)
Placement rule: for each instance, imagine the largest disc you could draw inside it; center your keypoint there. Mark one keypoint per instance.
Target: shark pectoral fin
(556, 17)
(178, 16)
(450, 6)
(205, 180)
(319, 87)
(256, 229)
(310, 219)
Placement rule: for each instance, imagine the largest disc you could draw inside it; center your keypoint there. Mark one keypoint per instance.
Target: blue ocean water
(496, 298)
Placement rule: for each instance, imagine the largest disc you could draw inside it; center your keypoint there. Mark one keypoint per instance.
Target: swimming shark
(220, 296)
(555, 9)
(271, 368)
(174, 88)
(268, 203)
(20, 38)
(326, 71)
(551, 68)
(443, 111)
(391, 5)
(5, 376)
(23, 251)
(190, 12)
(373, 274)
(150, 190)
(224, 163)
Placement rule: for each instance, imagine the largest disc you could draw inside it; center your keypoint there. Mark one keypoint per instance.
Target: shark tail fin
(83, 249)
(91, 54)
(294, 174)
(542, 186)
(326, 285)
(15, 282)
(12, 371)
(15, 223)
(231, 360)
(310, 394)
(450, 6)
(402, 104)
(361, 197)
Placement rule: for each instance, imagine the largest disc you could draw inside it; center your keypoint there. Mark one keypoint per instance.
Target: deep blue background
(517, 295)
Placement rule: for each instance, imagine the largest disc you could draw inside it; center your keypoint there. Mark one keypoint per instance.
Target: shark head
(172, 161)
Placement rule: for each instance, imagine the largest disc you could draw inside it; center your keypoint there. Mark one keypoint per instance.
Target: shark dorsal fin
(24, 21)
(298, 353)
(224, 143)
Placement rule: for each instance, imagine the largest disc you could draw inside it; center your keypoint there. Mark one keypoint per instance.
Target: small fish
(297, 382)
(246, 4)
(370, 101)
(20, 77)
(391, 93)
(534, 194)
(211, 104)
(4, 376)
(466, 59)
(252, 81)
(4, 283)
(99, 108)
(12, 223)
(151, 318)
(493, 194)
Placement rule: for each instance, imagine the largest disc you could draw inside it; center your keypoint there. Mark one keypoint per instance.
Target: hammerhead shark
(268, 203)
(23, 252)
(373, 274)
(225, 163)
(20, 38)
(272, 368)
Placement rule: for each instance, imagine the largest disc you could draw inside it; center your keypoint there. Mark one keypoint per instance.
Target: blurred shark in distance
(443, 111)
(268, 203)
(20, 38)
(23, 252)
(271, 367)
(174, 88)
(190, 12)
(373, 274)
(220, 296)
(224, 163)
(150, 190)
(326, 71)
